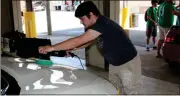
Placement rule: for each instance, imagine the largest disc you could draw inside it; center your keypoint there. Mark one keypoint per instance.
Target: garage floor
(157, 77)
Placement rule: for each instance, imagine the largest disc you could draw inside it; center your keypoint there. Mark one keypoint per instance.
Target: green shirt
(178, 17)
(158, 11)
(152, 12)
(166, 18)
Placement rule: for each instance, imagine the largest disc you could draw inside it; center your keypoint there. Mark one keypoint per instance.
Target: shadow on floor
(158, 68)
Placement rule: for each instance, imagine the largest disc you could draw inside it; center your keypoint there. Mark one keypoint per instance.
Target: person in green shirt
(166, 18)
(178, 15)
(151, 24)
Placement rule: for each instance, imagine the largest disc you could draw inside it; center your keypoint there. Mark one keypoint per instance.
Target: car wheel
(174, 67)
(170, 64)
(179, 70)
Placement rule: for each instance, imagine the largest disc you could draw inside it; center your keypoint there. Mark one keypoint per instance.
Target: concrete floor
(157, 68)
(157, 78)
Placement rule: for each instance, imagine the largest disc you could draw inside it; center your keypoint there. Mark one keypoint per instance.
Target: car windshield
(37, 3)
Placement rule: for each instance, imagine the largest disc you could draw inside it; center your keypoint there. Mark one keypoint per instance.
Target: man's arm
(173, 10)
(149, 17)
(176, 13)
(150, 11)
(77, 41)
(84, 45)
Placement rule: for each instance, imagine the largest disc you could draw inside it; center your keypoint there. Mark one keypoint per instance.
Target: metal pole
(48, 13)
(124, 3)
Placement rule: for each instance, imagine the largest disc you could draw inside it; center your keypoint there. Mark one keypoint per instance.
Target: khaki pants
(127, 77)
(163, 32)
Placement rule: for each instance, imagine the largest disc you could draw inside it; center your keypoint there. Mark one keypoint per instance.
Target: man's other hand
(45, 49)
(156, 24)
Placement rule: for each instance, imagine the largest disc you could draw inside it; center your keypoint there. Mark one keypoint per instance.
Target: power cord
(80, 62)
(73, 55)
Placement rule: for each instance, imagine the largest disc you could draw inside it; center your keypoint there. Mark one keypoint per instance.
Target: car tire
(173, 66)
(170, 64)
(179, 70)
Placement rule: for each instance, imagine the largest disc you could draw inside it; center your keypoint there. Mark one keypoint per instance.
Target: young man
(178, 15)
(166, 18)
(125, 64)
(151, 24)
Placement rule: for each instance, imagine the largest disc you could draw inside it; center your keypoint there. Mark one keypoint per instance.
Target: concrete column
(17, 15)
(48, 13)
(110, 9)
(101, 7)
(115, 11)
(0, 17)
(7, 24)
(106, 8)
(29, 6)
(99, 4)
(93, 56)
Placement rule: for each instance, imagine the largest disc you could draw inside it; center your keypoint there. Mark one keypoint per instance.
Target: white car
(39, 8)
(36, 79)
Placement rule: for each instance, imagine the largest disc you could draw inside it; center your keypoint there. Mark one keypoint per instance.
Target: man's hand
(155, 24)
(45, 49)
(176, 13)
(67, 54)
(149, 17)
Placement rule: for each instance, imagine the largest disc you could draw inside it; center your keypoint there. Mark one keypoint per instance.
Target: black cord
(73, 55)
(80, 61)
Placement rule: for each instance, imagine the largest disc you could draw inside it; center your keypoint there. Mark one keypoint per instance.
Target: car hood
(35, 79)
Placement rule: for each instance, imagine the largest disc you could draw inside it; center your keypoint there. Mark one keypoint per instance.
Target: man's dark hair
(85, 8)
(154, 1)
(161, 1)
